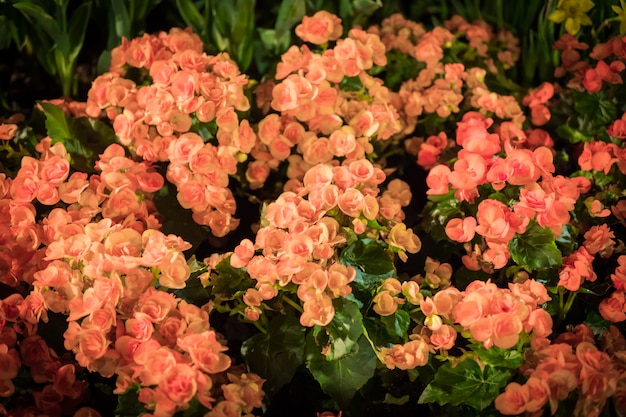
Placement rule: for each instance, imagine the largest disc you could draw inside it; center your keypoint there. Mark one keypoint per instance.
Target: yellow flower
(621, 13)
(573, 13)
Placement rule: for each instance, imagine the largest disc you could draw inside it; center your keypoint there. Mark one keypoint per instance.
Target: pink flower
(613, 308)
(319, 28)
(205, 351)
(513, 400)
(461, 230)
(443, 338)
(438, 180)
(179, 383)
(7, 131)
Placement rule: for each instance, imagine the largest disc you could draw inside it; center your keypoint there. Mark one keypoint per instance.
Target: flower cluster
(330, 107)
(521, 231)
(304, 230)
(98, 257)
(572, 362)
(181, 94)
(436, 92)
(482, 313)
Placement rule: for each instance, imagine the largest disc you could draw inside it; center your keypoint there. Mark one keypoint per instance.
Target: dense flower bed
(504, 294)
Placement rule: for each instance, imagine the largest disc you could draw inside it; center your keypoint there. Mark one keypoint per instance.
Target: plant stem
(371, 342)
(292, 303)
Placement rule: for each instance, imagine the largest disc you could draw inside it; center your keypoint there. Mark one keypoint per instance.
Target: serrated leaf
(595, 105)
(495, 356)
(342, 378)
(371, 261)
(128, 404)
(535, 249)
(230, 279)
(345, 328)
(466, 383)
(275, 356)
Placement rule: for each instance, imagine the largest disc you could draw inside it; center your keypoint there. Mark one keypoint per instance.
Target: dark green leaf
(390, 399)
(351, 84)
(77, 29)
(342, 378)
(275, 356)
(178, 220)
(42, 18)
(230, 279)
(535, 249)
(120, 20)
(397, 325)
(363, 9)
(596, 323)
(290, 12)
(128, 404)
(466, 383)
(193, 292)
(594, 105)
(370, 259)
(345, 328)
(56, 122)
(573, 135)
(191, 15)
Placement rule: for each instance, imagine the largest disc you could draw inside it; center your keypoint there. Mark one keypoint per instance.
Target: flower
(573, 13)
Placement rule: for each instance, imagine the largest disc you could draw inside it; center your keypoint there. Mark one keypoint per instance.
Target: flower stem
(292, 303)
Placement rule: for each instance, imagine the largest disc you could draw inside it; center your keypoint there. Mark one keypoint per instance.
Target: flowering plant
(495, 285)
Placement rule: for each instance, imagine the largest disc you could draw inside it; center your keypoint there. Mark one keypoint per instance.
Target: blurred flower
(573, 13)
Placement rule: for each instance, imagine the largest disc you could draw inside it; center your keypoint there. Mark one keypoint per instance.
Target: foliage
(222, 227)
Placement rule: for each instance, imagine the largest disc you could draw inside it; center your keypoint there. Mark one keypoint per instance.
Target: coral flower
(573, 13)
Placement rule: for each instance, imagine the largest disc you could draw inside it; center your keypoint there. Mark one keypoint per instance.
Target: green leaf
(43, 19)
(119, 21)
(77, 29)
(193, 292)
(191, 15)
(573, 135)
(397, 325)
(56, 122)
(495, 356)
(351, 84)
(371, 261)
(597, 323)
(594, 105)
(342, 378)
(230, 279)
(275, 356)
(535, 249)
(466, 383)
(128, 404)
(345, 328)
(290, 13)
